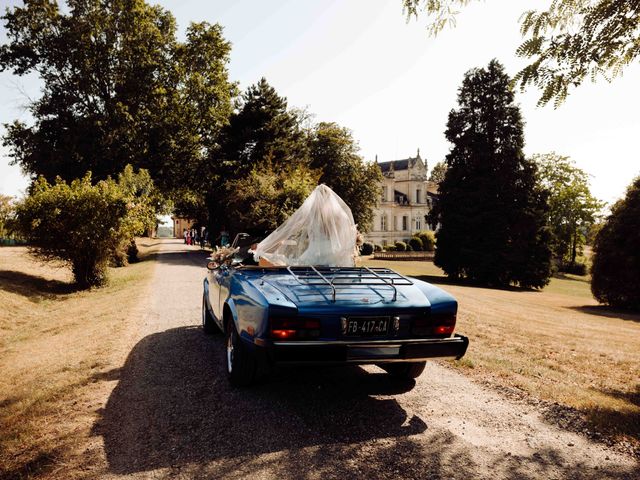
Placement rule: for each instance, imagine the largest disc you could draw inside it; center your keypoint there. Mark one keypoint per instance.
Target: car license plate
(365, 326)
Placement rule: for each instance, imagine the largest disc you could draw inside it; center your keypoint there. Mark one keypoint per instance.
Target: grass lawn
(557, 345)
(56, 345)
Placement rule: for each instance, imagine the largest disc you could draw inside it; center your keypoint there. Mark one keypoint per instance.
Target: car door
(224, 281)
(215, 278)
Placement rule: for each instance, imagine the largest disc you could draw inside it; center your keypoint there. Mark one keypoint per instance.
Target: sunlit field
(556, 344)
(56, 344)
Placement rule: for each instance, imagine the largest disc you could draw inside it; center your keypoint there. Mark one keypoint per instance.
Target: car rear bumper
(374, 351)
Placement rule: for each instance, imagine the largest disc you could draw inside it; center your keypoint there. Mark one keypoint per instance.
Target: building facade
(180, 224)
(406, 199)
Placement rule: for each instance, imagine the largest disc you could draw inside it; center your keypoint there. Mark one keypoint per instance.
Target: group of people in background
(194, 236)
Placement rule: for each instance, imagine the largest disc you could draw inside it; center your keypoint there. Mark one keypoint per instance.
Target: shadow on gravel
(180, 256)
(173, 408)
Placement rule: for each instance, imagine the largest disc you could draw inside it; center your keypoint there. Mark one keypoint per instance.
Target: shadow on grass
(624, 421)
(604, 311)
(34, 287)
(573, 278)
(40, 465)
(461, 282)
(630, 396)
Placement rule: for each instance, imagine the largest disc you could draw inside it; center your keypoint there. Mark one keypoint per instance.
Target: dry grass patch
(557, 345)
(56, 344)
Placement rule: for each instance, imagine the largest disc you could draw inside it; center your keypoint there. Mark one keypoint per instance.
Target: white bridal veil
(321, 232)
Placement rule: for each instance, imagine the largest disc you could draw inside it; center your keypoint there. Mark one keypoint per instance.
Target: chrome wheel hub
(230, 353)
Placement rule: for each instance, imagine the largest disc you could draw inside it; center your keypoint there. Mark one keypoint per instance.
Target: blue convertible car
(314, 315)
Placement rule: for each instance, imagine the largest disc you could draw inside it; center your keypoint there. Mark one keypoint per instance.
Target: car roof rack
(336, 277)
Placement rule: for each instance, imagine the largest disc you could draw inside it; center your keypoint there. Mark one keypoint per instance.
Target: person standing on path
(224, 237)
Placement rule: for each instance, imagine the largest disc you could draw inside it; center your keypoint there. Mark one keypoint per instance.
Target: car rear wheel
(407, 370)
(208, 323)
(239, 361)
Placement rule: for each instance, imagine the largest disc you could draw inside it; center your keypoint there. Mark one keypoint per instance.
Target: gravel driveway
(172, 413)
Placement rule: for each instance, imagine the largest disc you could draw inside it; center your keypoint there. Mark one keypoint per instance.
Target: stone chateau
(406, 199)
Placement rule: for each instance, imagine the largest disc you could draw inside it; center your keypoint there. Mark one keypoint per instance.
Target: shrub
(416, 244)
(367, 248)
(83, 225)
(390, 248)
(377, 248)
(401, 246)
(428, 239)
(616, 256)
(577, 268)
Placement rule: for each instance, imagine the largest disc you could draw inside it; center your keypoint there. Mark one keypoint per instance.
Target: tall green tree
(263, 128)
(570, 41)
(572, 207)
(261, 131)
(493, 215)
(335, 153)
(616, 254)
(118, 89)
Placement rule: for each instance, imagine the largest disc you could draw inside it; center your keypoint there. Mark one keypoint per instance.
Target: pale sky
(360, 64)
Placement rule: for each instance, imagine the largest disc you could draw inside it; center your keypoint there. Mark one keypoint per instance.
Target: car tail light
(435, 324)
(298, 328)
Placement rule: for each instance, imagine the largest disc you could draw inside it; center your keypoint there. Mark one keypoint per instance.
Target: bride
(320, 233)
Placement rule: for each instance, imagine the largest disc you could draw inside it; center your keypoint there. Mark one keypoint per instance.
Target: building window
(418, 195)
(383, 222)
(404, 222)
(418, 224)
(384, 193)
(384, 243)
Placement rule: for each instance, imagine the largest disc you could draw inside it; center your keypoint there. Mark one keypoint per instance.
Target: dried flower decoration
(223, 254)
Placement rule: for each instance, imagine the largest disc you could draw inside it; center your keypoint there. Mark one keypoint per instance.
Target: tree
(81, 224)
(267, 196)
(118, 89)
(616, 254)
(570, 41)
(6, 214)
(335, 153)
(263, 129)
(438, 172)
(492, 213)
(262, 132)
(572, 208)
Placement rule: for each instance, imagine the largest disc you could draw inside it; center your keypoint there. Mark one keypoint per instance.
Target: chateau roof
(397, 164)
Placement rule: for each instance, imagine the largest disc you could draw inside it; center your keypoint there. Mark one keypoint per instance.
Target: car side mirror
(212, 265)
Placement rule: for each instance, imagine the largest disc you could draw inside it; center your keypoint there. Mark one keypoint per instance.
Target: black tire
(208, 323)
(239, 361)
(408, 370)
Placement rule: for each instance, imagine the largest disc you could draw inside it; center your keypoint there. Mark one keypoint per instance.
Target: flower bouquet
(223, 255)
